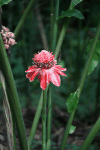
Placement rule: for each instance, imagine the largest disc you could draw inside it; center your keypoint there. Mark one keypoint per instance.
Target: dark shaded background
(73, 57)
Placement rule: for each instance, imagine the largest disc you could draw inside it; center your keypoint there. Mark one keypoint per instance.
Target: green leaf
(72, 129)
(96, 56)
(75, 2)
(72, 102)
(2, 2)
(71, 13)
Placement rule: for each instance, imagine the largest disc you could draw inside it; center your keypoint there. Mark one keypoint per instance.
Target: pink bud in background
(8, 37)
(11, 35)
(6, 46)
(5, 42)
(4, 28)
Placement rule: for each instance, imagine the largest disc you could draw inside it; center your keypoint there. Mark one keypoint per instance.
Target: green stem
(87, 64)
(62, 34)
(44, 121)
(14, 123)
(8, 114)
(61, 37)
(55, 26)
(91, 135)
(85, 71)
(18, 28)
(14, 102)
(52, 23)
(49, 119)
(35, 122)
(66, 132)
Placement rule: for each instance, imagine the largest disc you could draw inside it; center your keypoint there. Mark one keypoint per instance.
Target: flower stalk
(35, 122)
(49, 119)
(44, 120)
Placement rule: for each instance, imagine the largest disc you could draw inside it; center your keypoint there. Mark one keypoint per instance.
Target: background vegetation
(73, 54)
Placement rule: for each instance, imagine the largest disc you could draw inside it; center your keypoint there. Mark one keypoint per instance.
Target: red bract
(45, 69)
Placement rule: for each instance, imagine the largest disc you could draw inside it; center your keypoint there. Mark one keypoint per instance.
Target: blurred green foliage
(73, 53)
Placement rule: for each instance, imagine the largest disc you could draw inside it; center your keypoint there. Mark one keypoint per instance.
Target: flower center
(44, 60)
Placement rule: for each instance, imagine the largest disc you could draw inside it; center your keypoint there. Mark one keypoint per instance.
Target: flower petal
(55, 78)
(33, 76)
(59, 71)
(30, 69)
(43, 83)
(47, 76)
(60, 67)
(28, 75)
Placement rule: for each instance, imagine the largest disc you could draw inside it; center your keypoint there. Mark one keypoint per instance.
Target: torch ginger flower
(45, 69)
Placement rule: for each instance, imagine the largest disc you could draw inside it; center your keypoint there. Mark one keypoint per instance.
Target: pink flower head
(45, 69)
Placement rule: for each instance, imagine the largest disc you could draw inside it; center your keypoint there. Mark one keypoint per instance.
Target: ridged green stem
(13, 121)
(44, 120)
(14, 102)
(85, 71)
(91, 135)
(8, 113)
(18, 28)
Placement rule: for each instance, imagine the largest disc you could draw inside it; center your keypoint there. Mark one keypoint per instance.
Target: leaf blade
(96, 56)
(72, 129)
(75, 2)
(72, 102)
(71, 13)
(3, 2)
